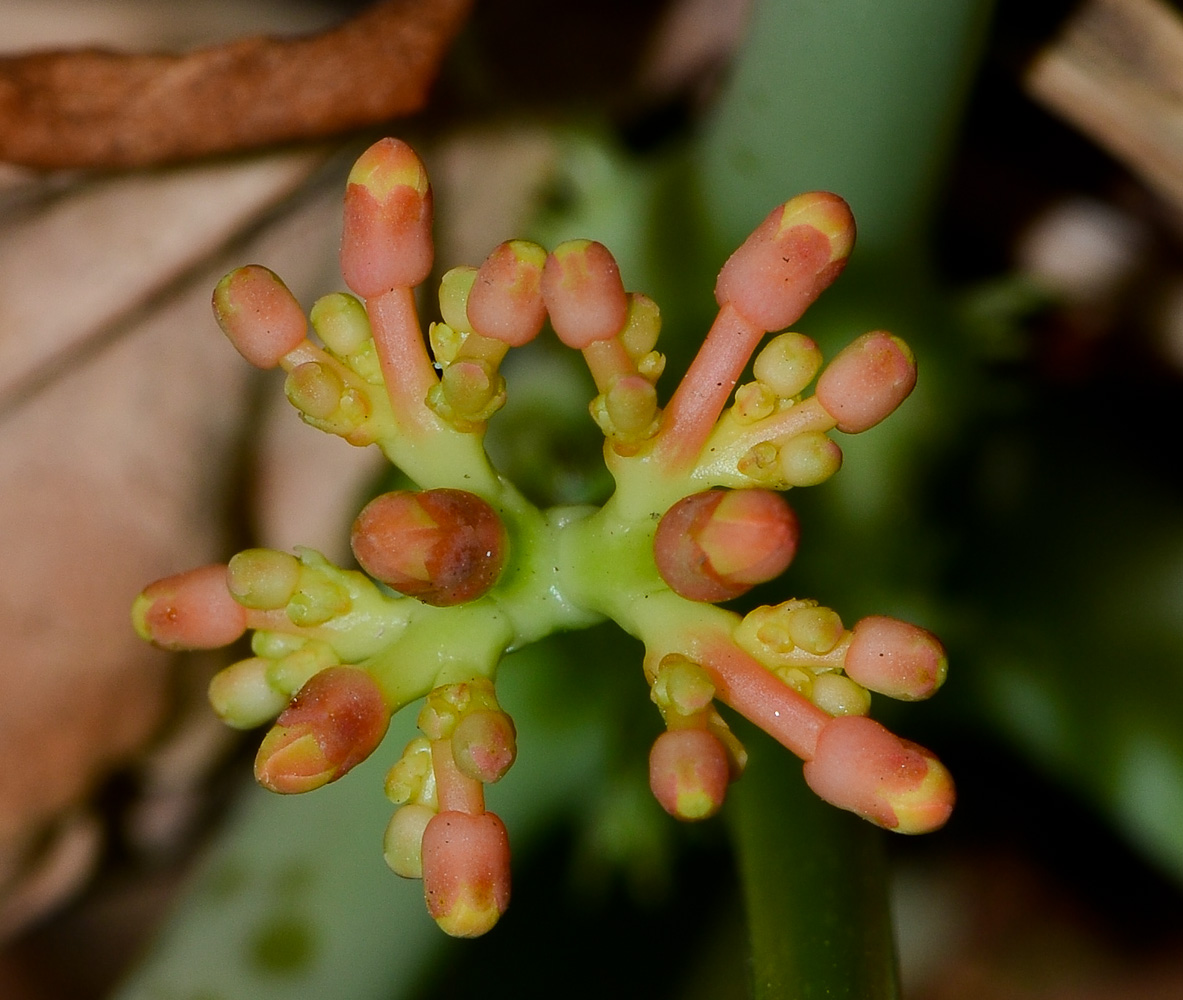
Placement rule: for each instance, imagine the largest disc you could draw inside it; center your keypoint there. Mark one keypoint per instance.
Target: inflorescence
(463, 569)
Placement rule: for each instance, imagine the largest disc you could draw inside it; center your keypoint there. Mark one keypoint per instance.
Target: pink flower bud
(192, 610)
(466, 871)
(689, 773)
(788, 261)
(866, 381)
(334, 723)
(259, 315)
(506, 298)
(386, 241)
(443, 547)
(484, 745)
(716, 545)
(896, 659)
(860, 766)
(583, 293)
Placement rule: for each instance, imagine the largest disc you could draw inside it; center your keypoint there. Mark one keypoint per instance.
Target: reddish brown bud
(788, 261)
(866, 381)
(505, 302)
(860, 766)
(192, 610)
(261, 318)
(717, 545)
(386, 242)
(583, 293)
(689, 772)
(466, 871)
(896, 659)
(443, 547)
(334, 723)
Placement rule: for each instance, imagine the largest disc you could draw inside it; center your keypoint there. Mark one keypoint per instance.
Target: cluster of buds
(464, 568)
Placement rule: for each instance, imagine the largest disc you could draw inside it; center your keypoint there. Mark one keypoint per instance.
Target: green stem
(814, 883)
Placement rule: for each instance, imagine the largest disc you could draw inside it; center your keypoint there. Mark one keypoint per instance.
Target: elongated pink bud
(443, 547)
(261, 318)
(505, 302)
(583, 293)
(689, 773)
(386, 242)
(789, 260)
(717, 545)
(866, 381)
(192, 610)
(860, 766)
(466, 871)
(334, 723)
(896, 659)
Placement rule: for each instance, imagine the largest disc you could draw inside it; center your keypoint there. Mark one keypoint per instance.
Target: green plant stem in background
(815, 889)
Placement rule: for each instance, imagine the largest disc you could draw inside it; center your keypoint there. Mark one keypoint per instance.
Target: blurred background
(1017, 174)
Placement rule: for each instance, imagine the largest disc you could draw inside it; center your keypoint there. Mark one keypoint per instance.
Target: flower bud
(860, 766)
(465, 871)
(386, 242)
(839, 695)
(642, 326)
(402, 845)
(443, 547)
(341, 322)
(506, 299)
(242, 695)
(455, 288)
(259, 315)
(263, 578)
(689, 773)
(484, 745)
(808, 459)
(583, 293)
(334, 723)
(787, 364)
(896, 659)
(866, 381)
(788, 261)
(192, 610)
(716, 545)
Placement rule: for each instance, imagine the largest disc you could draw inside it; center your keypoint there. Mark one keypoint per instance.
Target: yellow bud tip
(387, 165)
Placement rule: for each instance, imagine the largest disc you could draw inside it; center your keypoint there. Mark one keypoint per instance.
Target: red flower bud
(466, 871)
(716, 545)
(866, 381)
(505, 302)
(860, 766)
(689, 772)
(443, 547)
(896, 659)
(583, 293)
(334, 723)
(386, 241)
(788, 261)
(192, 610)
(259, 315)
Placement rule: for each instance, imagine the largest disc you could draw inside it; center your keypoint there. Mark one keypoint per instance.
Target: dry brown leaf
(94, 108)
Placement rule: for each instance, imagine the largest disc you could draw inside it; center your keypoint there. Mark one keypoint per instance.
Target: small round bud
(506, 299)
(402, 845)
(334, 723)
(484, 745)
(839, 695)
(259, 315)
(443, 547)
(192, 610)
(455, 288)
(896, 659)
(465, 871)
(583, 293)
(716, 545)
(386, 242)
(689, 773)
(866, 381)
(788, 261)
(341, 322)
(242, 695)
(860, 766)
(263, 578)
(787, 364)
(808, 459)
